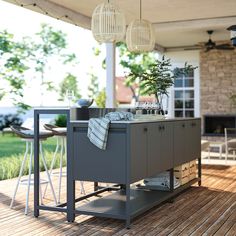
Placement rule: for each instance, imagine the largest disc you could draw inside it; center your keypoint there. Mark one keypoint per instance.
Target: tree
(18, 57)
(101, 99)
(52, 43)
(93, 88)
(14, 59)
(136, 65)
(69, 83)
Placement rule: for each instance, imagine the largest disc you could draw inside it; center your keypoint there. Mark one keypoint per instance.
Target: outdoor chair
(230, 143)
(60, 133)
(28, 136)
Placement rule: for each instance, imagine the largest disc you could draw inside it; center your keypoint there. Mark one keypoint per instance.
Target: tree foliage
(14, 57)
(69, 83)
(135, 65)
(52, 43)
(93, 87)
(101, 99)
(18, 57)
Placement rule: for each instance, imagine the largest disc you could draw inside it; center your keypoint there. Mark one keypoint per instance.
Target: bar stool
(60, 133)
(27, 135)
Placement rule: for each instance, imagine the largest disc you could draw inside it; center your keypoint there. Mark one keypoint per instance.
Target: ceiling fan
(209, 45)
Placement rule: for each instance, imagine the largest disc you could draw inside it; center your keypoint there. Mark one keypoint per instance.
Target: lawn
(13, 145)
(12, 150)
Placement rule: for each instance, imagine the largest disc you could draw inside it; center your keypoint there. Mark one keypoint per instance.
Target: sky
(23, 22)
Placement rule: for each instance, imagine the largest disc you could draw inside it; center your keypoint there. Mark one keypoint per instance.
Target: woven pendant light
(140, 36)
(108, 23)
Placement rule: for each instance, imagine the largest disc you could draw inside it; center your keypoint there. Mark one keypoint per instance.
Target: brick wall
(217, 81)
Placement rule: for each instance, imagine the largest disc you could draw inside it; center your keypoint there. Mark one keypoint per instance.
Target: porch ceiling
(178, 23)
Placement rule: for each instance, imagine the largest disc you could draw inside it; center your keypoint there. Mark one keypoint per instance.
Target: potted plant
(159, 77)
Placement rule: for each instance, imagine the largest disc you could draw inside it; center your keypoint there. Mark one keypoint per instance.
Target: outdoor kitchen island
(135, 150)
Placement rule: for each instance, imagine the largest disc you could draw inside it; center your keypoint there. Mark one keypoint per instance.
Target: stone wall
(217, 81)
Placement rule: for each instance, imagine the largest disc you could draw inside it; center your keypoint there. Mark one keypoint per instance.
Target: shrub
(60, 121)
(9, 119)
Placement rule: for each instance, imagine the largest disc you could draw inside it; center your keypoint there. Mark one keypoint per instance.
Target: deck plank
(207, 210)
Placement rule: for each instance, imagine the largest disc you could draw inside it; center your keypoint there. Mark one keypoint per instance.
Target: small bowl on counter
(85, 102)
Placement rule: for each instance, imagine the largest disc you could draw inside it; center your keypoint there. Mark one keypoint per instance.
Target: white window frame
(196, 90)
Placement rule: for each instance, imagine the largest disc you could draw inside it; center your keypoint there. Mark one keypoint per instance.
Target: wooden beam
(159, 48)
(183, 48)
(195, 23)
(55, 10)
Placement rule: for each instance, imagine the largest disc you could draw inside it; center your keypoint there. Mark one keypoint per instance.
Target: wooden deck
(206, 210)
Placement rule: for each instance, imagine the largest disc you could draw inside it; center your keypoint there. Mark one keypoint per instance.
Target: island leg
(171, 172)
(200, 171)
(71, 201)
(127, 204)
(70, 180)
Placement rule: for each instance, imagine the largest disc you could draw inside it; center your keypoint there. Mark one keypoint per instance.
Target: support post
(110, 75)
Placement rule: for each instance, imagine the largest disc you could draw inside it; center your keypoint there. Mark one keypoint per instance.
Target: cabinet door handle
(145, 129)
(160, 127)
(163, 127)
(183, 125)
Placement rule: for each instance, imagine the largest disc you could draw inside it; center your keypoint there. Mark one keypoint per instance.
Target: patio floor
(206, 210)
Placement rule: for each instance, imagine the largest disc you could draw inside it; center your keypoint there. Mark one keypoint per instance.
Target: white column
(110, 74)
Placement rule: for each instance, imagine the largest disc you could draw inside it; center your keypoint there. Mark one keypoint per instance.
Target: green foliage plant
(157, 79)
(60, 120)
(101, 99)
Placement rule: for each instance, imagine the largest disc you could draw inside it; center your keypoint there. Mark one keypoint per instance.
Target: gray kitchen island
(135, 150)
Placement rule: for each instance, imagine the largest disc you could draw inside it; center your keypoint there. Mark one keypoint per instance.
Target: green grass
(13, 145)
(12, 150)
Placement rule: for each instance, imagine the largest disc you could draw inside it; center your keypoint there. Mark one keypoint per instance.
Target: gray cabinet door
(138, 149)
(94, 164)
(167, 157)
(160, 147)
(193, 139)
(179, 142)
(154, 149)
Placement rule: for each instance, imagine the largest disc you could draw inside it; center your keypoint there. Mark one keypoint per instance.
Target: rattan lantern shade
(108, 23)
(140, 36)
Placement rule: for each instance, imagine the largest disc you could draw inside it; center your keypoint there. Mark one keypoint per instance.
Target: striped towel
(98, 131)
(98, 127)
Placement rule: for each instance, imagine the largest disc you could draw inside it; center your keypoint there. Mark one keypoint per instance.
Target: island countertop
(138, 121)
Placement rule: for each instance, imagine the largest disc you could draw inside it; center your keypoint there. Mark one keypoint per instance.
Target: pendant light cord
(140, 10)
